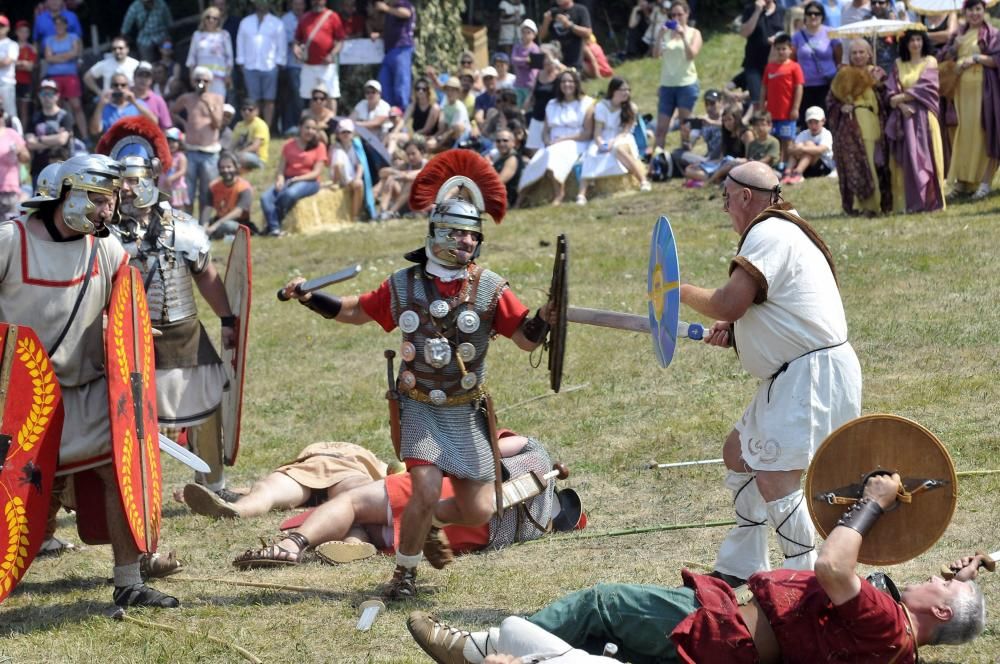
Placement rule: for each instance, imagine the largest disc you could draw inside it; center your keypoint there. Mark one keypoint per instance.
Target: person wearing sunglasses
(62, 52)
(421, 116)
(818, 55)
(202, 125)
(319, 39)
(120, 62)
(116, 103)
(212, 48)
(49, 135)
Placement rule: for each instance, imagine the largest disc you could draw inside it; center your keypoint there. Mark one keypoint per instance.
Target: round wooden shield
(663, 291)
(30, 431)
(234, 360)
(893, 443)
(128, 348)
(559, 296)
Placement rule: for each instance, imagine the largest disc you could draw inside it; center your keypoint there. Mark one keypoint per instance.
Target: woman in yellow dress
(977, 102)
(856, 120)
(912, 131)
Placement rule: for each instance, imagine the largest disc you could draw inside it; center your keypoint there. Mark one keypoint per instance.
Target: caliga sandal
(344, 552)
(155, 566)
(202, 500)
(403, 584)
(274, 555)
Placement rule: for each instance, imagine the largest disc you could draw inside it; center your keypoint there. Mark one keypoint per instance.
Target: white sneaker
(645, 186)
(581, 199)
(982, 192)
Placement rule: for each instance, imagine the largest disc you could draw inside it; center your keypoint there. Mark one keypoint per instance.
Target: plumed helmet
(139, 144)
(456, 186)
(47, 188)
(83, 174)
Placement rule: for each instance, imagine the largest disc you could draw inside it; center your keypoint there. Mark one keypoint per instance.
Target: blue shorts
(784, 129)
(261, 85)
(685, 96)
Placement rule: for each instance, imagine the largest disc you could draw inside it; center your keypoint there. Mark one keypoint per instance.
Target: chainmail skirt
(453, 438)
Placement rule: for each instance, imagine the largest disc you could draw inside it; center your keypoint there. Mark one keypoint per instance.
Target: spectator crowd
(883, 115)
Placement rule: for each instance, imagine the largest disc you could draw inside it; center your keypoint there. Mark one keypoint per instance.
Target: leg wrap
(795, 530)
(744, 551)
(205, 440)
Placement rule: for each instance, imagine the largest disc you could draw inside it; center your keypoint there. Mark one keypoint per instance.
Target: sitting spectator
(62, 52)
(520, 59)
(251, 138)
(501, 62)
(118, 62)
(453, 127)
(174, 181)
(487, 99)
(764, 147)
(468, 79)
(27, 62)
(503, 115)
(49, 135)
(347, 166)
(811, 154)
(319, 110)
(613, 151)
(546, 87)
(232, 197)
(508, 164)
(733, 141)
(595, 62)
(566, 136)
(299, 169)
(174, 85)
(142, 87)
(13, 153)
(117, 103)
(422, 114)
(781, 93)
(372, 112)
(226, 132)
(395, 182)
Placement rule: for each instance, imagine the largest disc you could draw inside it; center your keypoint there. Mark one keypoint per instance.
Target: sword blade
(185, 456)
(330, 279)
(629, 322)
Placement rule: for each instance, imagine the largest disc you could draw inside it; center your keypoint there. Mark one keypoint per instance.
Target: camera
(671, 25)
(117, 96)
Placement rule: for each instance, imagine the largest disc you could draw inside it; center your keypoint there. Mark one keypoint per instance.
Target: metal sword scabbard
(392, 398)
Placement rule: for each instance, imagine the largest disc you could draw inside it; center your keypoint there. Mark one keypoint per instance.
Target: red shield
(234, 359)
(128, 347)
(31, 404)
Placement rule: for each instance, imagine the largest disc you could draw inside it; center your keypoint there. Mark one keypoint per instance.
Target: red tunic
(331, 32)
(509, 315)
(872, 627)
(399, 488)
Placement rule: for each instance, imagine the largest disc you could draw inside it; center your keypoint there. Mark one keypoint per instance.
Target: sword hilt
(284, 298)
(986, 562)
(389, 356)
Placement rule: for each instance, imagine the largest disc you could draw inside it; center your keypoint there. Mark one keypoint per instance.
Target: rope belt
(468, 397)
(784, 367)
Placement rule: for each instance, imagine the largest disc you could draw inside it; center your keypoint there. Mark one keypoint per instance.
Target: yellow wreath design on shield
(43, 386)
(12, 565)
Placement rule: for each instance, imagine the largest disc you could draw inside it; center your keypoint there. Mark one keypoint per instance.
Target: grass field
(920, 293)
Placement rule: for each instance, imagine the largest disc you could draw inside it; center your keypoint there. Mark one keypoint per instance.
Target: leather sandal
(156, 566)
(274, 555)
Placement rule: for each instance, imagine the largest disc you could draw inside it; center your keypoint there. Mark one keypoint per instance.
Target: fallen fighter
(353, 524)
(779, 616)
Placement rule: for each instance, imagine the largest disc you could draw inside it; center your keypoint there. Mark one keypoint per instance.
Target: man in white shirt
(261, 48)
(811, 154)
(782, 304)
(372, 112)
(118, 63)
(9, 51)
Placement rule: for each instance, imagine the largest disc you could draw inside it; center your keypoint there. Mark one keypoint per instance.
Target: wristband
(534, 329)
(228, 321)
(327, 306)
(862, 516)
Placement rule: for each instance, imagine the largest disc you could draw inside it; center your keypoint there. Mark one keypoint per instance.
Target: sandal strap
(300, 540)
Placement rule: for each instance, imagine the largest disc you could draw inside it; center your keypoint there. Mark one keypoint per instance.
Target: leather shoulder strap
(783, 211)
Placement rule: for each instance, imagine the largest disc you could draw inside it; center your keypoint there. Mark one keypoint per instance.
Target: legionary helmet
(139, 144)
(47, 188)
(83, 174)
(457, 186)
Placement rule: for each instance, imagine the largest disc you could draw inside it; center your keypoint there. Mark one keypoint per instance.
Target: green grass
(920, 293)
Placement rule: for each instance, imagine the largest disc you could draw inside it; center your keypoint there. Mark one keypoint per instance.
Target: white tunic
(562, 119)
(791, 415)
(598, 164)
(40, 280)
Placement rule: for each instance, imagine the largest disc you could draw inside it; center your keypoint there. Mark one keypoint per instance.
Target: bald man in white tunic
(782, 310)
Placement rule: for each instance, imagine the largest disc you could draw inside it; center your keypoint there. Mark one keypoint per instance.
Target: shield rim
(232, 398)
(46, 457)
(663, 255)
(560, 297)
(128, 278)
(865, 556)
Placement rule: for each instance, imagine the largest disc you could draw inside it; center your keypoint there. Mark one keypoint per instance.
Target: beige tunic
(39, 282)
(324, 465)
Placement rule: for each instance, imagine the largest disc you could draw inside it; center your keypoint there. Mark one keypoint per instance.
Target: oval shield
(30, 430)
(234, 360)
(128, 348)
(663, 291)
(885, 442)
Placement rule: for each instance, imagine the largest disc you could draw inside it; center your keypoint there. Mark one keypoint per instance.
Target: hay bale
(542, 192)
(328, 210)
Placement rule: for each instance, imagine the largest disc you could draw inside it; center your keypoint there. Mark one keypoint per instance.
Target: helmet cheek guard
(84, 174)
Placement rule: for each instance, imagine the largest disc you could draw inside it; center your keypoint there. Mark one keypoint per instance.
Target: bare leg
(335, 519)
(560, 193)
(473, 505)
(631, 164)
(357, 189)
(403, 196)
(662, 127)
(267, 112)
(416, 518)
(276, 491)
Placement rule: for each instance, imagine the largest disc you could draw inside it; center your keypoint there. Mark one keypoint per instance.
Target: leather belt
(468, 397)
(764, 640)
